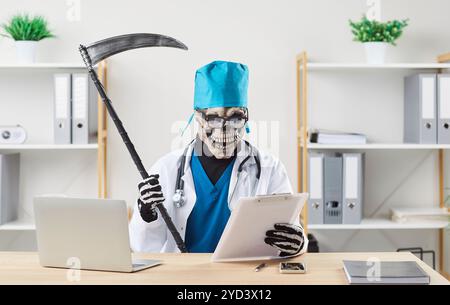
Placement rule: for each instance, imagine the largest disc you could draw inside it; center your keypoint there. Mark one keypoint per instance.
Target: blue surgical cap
(221, 84)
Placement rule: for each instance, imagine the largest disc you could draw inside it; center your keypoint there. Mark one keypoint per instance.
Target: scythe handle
(134, 155)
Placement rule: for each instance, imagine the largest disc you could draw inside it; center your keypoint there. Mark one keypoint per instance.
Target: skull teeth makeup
(221, 142)
(223, 138)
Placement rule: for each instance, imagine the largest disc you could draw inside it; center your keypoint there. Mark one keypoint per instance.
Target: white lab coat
(155, 237)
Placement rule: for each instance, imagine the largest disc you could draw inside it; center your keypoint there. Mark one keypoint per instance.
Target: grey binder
(84, 109)
(443, 102)
(420, 124)
(353, 185)
(333, 189)
(9, 187)
(62, 108)
(316, 199)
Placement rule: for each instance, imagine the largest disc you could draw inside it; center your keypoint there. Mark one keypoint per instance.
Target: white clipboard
(243, 236)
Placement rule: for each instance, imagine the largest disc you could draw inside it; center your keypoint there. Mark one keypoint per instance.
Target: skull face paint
(221, 129)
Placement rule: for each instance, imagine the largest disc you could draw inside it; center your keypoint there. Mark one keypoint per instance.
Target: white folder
(353, 177)
(62, 108)
(443, 128)
(84, 109)
(316, 196)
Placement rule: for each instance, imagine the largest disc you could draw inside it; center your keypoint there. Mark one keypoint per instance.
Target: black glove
(287, 238)
(150, 196)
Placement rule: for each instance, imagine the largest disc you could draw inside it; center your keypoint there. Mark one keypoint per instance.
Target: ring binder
(316, 198)
(84, 109)
(420, 124)
(62, 108)
(353, 177)
(443, 129)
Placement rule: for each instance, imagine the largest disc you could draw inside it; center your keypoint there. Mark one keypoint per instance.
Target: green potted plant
(376, 36)
(26, 31)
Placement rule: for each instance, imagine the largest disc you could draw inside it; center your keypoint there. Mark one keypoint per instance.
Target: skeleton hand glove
(150, 196)
(287, 238)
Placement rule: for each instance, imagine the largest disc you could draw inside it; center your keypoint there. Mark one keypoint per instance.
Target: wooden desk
(323, 268)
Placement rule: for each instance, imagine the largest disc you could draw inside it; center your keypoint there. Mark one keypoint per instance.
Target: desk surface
(323, 268)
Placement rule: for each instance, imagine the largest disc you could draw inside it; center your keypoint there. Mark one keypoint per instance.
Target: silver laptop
(90, 232)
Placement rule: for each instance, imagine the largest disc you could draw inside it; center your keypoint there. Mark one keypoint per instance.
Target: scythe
(105, 48)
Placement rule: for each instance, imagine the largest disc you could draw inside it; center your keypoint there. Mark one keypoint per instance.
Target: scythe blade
(107, 47)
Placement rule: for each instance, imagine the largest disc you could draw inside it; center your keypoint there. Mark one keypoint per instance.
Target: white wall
(152, 89)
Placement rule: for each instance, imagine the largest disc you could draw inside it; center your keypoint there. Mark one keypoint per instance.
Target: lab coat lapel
(189, 192)
(233, 181)
(233, 192)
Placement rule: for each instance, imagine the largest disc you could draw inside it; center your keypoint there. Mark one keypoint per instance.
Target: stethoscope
(178, 197)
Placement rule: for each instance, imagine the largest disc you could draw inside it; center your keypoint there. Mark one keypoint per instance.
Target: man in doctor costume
(201, 184)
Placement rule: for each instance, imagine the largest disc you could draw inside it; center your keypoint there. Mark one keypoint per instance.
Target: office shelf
(18, 225)
(304, 68)
(363, 66)
(99, 147)
(21, 147)
(382, 224)
(101, 144)
(378, 146)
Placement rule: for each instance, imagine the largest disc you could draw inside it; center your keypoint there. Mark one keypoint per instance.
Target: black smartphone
(293, 267)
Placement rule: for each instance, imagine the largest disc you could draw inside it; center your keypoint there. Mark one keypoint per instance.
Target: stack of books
(335, 137)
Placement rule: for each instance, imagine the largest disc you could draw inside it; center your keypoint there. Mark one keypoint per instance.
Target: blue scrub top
(210, 213)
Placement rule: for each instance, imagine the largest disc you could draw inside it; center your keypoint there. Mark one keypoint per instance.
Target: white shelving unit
(305, 145)
(39, 157)
(367, 98)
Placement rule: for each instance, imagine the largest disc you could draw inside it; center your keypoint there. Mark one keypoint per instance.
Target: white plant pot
(375, 52)
(26, 51)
